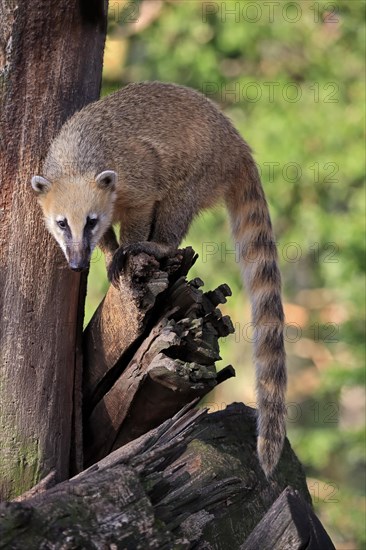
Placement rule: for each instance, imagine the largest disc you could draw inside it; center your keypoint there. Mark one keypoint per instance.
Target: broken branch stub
(119, 320)
(170, 362)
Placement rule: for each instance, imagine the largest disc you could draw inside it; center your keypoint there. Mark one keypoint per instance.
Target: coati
(151, 156)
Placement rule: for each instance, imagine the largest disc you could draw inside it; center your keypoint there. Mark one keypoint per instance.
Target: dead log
(150, 348)
(194, 481)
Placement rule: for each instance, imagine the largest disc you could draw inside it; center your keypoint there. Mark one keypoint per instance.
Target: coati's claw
(117, 266)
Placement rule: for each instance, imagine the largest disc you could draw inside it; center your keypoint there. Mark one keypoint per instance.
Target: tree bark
(50, 66)
(195, 481)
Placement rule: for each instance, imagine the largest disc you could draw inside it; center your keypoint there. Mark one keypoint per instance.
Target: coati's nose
(77, 266)
(78, 259)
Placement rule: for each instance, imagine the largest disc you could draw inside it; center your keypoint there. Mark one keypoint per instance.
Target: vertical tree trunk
(50, 66)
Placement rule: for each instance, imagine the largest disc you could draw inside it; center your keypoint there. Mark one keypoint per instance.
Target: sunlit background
(291, 77)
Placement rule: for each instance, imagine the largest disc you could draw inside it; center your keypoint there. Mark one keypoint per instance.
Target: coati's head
(78, 210)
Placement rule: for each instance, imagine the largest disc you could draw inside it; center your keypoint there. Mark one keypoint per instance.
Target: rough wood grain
(193, 482)
(290, 524)
(173, 363)
(50, 66)
(121, 320)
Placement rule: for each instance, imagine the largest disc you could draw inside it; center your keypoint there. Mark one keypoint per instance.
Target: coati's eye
(62, 224)
(91, 222)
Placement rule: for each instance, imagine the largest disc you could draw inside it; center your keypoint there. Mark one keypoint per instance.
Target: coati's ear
(107, 180)
(40, 185)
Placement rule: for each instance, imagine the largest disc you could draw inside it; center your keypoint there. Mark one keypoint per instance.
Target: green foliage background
(291, 77)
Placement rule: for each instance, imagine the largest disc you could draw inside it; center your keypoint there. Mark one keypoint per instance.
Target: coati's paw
(120, 258)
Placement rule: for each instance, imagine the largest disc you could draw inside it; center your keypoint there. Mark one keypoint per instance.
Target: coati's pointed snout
(78, 260)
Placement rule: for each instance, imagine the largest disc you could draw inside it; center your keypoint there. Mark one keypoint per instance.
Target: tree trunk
(50, 66)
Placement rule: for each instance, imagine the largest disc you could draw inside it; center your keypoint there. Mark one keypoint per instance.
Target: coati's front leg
(136, 230)
(157, 230)
(108, 245)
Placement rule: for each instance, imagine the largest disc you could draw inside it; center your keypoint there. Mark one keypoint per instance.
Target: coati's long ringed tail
(252, 229)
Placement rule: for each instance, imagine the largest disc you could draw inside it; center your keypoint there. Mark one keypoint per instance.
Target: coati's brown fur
(151, 156)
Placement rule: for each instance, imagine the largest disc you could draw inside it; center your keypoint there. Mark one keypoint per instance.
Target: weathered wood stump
(194, 481)
(159, 478)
